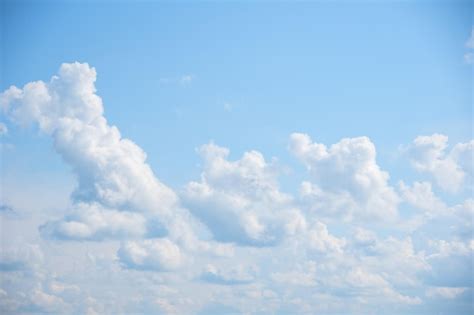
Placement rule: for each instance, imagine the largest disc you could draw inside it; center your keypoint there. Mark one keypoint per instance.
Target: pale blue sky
(176, 75)
(390, 70)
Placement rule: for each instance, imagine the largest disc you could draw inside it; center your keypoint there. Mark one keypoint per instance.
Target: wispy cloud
(469, 56)
(184, 79)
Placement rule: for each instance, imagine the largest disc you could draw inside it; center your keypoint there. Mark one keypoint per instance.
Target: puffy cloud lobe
(240, 201)
(364, 241)
(451, 263)
(114, 181)
(452, 248)
(111, 170)
(320, 240)
(435, 211)
(233, 276)
(450, 170)
(371, 284)
(445, 292)
(45, 302)
(395, 259)
(421, 196)
(346, 179)
(118, 197)
(152, 254)
(464, 213)
(93, 222)
(24, 285)
(26, 256)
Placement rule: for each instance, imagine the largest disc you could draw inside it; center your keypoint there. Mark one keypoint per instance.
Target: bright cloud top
(346, 178)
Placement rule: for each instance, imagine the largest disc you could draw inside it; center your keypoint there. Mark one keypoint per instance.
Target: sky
(236, 157)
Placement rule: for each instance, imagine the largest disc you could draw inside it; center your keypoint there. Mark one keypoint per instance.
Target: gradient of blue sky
(176, 75)
(332, 69)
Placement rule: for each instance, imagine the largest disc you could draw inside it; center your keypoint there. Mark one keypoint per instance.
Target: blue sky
(178, 77)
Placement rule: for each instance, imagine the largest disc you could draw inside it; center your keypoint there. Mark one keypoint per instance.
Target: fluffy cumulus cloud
(234, 276)
(111, 170)
(116, 188)
(19, 258)
(319, 239)
(346, 179)
(152, 254)
(450, 170)
(232, 241)
(240, 201)
(445, 292)
(28, 287)
(90, 221)
(421, 196)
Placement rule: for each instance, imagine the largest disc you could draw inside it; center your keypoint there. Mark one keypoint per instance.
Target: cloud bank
(233, 240)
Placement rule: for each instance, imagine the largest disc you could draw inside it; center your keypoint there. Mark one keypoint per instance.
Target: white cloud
(47, 302)
(240, 201)
(27, 285)
(90, 221)
(450, 170)
(452, 248)
(152, 254)
(265, 255)
(346, 179)
(450, 263)
(395, 259)
(236, 275)
(363, 279)
(24, 256)
(421, 196)
(111, 171)
(303, 275)
(445, 292)
(321, 241)
(465, 210)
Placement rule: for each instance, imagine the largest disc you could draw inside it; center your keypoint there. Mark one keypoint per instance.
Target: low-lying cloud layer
(233, 241)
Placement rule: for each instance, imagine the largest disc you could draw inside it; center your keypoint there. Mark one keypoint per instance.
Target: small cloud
(159, 254)
(470, 41)
(445, 292)
(236, 276)
(228, 107)
(3, 129)
(186, 79)
(469, 58)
